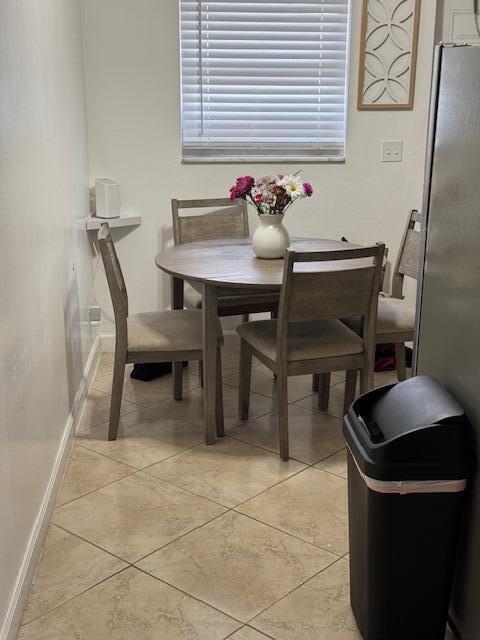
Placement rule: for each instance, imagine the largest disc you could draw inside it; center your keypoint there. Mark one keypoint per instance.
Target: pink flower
(265, 181)
(242, 187)
(268, 197)
(308, 189)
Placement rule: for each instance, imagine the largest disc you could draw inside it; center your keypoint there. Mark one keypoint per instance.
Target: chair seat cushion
(395, 316)
(306, 340)
(167, 331)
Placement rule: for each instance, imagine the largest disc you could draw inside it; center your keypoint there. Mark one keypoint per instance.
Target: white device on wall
(107, 197)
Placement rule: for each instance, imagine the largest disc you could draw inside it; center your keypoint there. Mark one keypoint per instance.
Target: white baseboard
(9, 629)
(107, 342)
(87, 379)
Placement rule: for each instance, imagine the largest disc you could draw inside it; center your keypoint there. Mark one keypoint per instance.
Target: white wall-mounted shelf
(92, 222)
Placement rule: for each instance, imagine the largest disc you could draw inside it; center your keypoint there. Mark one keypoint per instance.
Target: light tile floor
(159, 537)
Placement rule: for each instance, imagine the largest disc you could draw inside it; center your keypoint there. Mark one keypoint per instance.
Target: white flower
(293, 186)
(265, 208)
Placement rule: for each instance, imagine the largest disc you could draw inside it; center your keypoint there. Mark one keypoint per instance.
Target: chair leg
(177, 380)
(400, 361)
(245, 380)
(200, 369)
(282, 407)
(117, 391)
(219, 397)
(366, 379)
(246, 317)
(350, 389)
(315, 382)
(274, 316)
(324, 380)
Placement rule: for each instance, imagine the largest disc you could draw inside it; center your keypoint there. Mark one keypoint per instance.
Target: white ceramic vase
(270, 239)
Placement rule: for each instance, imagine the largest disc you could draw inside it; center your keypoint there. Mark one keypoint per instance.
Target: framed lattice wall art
(388, 54)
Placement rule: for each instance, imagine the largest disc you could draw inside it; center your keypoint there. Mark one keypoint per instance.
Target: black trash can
(408, 462)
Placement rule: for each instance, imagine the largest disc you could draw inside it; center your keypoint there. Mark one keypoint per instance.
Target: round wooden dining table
(226, 263)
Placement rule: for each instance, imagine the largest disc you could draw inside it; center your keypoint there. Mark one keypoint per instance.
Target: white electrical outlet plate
(392, 150)
(95, 314)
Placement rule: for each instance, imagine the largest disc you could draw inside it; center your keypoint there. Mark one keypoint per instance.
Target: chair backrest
(324, 285)
(229, 221)
(408, 260)
(116, 282)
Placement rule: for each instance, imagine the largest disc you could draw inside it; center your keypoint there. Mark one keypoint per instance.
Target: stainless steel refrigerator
(448, 316)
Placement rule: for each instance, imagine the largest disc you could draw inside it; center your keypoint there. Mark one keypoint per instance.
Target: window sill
(264, 160)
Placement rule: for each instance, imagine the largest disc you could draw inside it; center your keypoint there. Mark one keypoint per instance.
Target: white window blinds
(264, 78)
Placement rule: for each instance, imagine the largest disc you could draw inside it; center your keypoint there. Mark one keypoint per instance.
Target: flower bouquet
(271, 196)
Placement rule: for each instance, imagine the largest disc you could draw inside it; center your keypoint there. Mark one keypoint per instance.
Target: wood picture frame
(388, 54)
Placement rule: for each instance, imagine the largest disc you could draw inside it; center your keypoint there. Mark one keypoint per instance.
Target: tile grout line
(133, 566)
(88, 493)
(170, 414)
(144, 571)
(189, 490)
(226, 509)
(178, 486)
(228, 434)
(99, 453)
(115, 573)
(287, 533)
(247, 626)
(266, 395)
(262, 632)
(254, 393)
(189, 595)
(149, 465)
(235, 507)
(258, 446)
(151, 553)
(315, 410)
(135, 408)
(240, 504)
(308, 464)
(145, 406)
(338, 559)
(135, 470)
(94, 544)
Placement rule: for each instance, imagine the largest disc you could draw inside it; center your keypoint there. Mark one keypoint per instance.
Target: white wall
(132, 84)
(45, 263)
(458, 23)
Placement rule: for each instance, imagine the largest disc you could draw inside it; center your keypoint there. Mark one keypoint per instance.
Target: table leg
(177, 303)
(210, 320)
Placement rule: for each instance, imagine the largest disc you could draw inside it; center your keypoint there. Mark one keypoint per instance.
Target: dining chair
(224, 219)
(156, 336)
(395, 316)
(308, 337)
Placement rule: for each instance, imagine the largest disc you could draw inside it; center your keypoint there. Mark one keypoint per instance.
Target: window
(263, 80)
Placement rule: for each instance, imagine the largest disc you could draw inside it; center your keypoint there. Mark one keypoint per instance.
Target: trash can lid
(413, 430)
